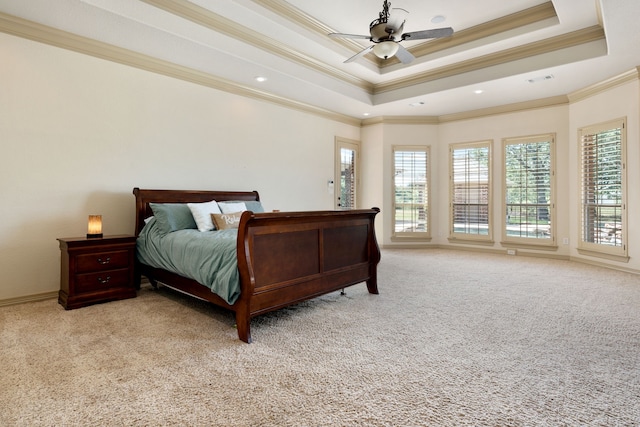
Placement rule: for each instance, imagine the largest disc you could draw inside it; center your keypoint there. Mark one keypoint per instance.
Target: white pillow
(202, 214)
(233, 207)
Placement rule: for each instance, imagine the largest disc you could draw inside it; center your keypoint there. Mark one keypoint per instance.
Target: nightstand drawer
(102, 261)
(102, 280)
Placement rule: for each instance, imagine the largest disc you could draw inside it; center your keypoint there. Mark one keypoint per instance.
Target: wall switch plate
(565, 241)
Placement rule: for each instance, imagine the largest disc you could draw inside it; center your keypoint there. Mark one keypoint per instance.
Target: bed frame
(283, 257)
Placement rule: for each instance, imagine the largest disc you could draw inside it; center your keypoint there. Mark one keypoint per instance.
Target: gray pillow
(173, 216)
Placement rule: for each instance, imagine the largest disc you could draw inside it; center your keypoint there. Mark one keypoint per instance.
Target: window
(603, 198)
(528, 210)
(346, 173)
(470, 195)
(411, 192)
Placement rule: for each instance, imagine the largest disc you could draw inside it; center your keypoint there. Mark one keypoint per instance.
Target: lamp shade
(385, 49)
(95, 226)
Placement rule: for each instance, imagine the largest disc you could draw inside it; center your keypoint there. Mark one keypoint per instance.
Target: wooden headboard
(144, 197)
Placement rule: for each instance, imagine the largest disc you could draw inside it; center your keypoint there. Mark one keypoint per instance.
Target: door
(346, 171)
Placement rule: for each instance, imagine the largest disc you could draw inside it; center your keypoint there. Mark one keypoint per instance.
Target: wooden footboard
(283, 257)
(288, 257)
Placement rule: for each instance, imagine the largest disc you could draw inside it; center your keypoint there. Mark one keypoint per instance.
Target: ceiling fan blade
(396, 20)
(404, 55)
(359, 54)
(436, 33)
(349, 36)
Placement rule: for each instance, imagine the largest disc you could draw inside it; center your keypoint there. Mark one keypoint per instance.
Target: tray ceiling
(502, 52)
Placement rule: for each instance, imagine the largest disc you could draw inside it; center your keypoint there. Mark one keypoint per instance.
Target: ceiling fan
(386, 35)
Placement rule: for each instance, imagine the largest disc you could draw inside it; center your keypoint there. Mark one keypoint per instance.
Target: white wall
(494, 128)
(563, 121)
(440, 136)
(615, 103)
(78, 133)
(388, 136)
(373, 179)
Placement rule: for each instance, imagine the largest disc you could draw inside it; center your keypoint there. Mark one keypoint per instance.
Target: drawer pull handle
(107, 260)
(104, 281)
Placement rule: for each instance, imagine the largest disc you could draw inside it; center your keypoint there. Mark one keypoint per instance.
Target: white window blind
(411, 192)
(347, 178)
(528, 184)
(470, 190)
(603, 220)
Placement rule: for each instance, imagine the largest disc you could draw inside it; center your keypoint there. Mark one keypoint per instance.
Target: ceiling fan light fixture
(385, 49)
(386, 32)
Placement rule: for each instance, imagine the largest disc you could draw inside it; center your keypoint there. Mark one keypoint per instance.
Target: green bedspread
(207, 257)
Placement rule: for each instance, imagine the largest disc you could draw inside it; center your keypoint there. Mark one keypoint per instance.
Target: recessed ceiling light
(438, 19)
(478, 91)
(365, 114)
(261, 79)
(417, 104)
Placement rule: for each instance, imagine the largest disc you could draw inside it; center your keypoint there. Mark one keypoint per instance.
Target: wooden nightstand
(96, 270)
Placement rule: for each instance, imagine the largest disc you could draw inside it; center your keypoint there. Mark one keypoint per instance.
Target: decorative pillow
(251, 205)
(173, 216)
(232, 207)
(226, 220)
(202, 214)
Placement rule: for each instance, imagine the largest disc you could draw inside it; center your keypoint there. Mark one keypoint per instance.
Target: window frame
(412, 235)
(351, 145)
(521, 241)
(617, 253)
(470, 237)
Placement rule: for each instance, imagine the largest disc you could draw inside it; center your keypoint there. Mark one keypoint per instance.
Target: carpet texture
(453, 339)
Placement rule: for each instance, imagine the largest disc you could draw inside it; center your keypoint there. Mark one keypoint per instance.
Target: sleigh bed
(282, 257)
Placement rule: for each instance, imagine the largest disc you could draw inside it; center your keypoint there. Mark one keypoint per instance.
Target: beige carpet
(454, 339)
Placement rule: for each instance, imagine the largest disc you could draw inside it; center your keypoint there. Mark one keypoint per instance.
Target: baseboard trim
(54, 294)
(520, 253)
(44, 296)
(28, 298)
(604, 265)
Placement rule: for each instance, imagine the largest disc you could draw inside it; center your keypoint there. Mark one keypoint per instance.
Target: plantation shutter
(348, 178)
(603, 188)
(528, 184)
(602, 185)
(411, 191)
(470, 190)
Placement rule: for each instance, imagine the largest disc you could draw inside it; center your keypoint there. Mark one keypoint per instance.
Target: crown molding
(218, 23)
(605, 85)
(293, 14)
(560, 100)
(511, 22)
(505, 109)
(401, 120)
(530, 16)
(43, 34)
(564, 41)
